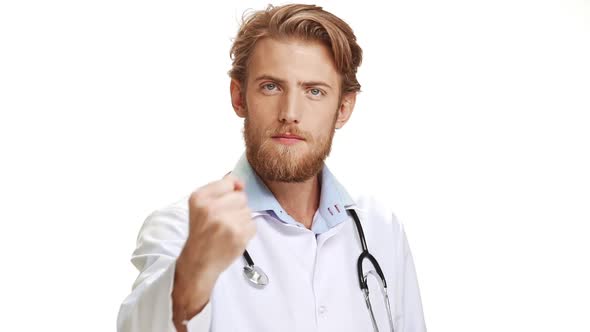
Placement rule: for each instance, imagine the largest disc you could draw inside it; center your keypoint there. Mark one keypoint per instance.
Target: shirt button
(322, 310)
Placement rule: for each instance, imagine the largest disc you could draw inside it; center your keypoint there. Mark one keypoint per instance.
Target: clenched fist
(220, 223)
(220, 227)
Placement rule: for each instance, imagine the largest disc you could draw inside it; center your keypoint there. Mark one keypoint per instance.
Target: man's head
(293, 74)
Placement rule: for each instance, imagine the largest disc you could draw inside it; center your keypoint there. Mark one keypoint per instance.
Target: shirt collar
(334, 199)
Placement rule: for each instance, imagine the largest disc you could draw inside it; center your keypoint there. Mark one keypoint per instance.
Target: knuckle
(196, 197)
(201, 207)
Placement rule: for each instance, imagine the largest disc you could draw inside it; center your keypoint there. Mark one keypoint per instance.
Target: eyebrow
(299, 83)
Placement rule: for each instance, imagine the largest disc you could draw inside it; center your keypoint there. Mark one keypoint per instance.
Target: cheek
(327, 127)
(263, 111)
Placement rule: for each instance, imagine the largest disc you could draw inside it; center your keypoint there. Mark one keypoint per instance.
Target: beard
(286, 163)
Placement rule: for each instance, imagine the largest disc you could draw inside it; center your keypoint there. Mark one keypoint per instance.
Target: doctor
(275, 245)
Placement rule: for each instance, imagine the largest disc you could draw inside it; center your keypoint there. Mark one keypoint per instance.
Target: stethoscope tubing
(256, 276)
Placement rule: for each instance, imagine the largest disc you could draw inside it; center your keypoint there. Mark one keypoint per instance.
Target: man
(294, 82)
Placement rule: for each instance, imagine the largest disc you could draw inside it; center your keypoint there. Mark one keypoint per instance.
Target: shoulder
(377, 210)
(168, 222)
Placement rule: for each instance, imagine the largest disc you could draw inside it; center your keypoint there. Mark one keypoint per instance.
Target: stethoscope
(258, 278)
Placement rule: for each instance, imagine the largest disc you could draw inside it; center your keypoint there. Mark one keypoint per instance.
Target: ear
(235, 89)
(345, 109)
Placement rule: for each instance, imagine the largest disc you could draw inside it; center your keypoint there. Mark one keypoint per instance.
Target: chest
(313, 282)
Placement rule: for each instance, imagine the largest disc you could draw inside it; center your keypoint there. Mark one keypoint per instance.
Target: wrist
(193, 285)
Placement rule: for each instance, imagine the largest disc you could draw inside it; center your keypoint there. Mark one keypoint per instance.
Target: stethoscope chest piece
(258, 278)
(255, 275)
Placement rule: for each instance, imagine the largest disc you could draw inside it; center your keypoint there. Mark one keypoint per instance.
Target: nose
(290, 108)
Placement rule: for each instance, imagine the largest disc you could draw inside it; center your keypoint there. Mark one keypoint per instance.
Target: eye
(315, 92)
(269, 86)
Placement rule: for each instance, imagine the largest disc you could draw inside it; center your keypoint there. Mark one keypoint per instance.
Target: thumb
(238, 184)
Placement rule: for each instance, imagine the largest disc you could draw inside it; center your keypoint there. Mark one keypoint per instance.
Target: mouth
(287, 138)
(288, 135)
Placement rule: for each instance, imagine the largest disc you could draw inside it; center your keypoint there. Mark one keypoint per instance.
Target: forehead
(293, 60)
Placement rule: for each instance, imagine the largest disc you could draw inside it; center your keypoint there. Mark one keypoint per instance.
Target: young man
(294, 82)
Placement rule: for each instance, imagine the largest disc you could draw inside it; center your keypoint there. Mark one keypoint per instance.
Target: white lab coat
(313, 283)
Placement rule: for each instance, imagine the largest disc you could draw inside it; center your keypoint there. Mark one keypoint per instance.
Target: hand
(220, 227)
(220, 224)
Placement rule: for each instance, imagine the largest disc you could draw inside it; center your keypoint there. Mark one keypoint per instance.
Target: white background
(473, 124)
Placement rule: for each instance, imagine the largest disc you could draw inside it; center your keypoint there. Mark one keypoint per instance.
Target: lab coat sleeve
(149, 306)
(413, 315)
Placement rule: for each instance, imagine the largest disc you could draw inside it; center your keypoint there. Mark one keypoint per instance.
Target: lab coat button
(322, 310)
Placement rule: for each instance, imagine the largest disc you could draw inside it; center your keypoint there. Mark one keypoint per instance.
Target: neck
(300, 200)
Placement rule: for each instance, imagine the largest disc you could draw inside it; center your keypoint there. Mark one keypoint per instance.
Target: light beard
(284, 163)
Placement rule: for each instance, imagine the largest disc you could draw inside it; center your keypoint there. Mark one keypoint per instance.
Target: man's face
(292, 90)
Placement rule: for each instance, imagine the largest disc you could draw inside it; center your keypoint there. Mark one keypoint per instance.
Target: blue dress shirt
(334, 199)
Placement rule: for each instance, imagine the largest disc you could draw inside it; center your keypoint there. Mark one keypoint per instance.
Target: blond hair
(305, 22)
